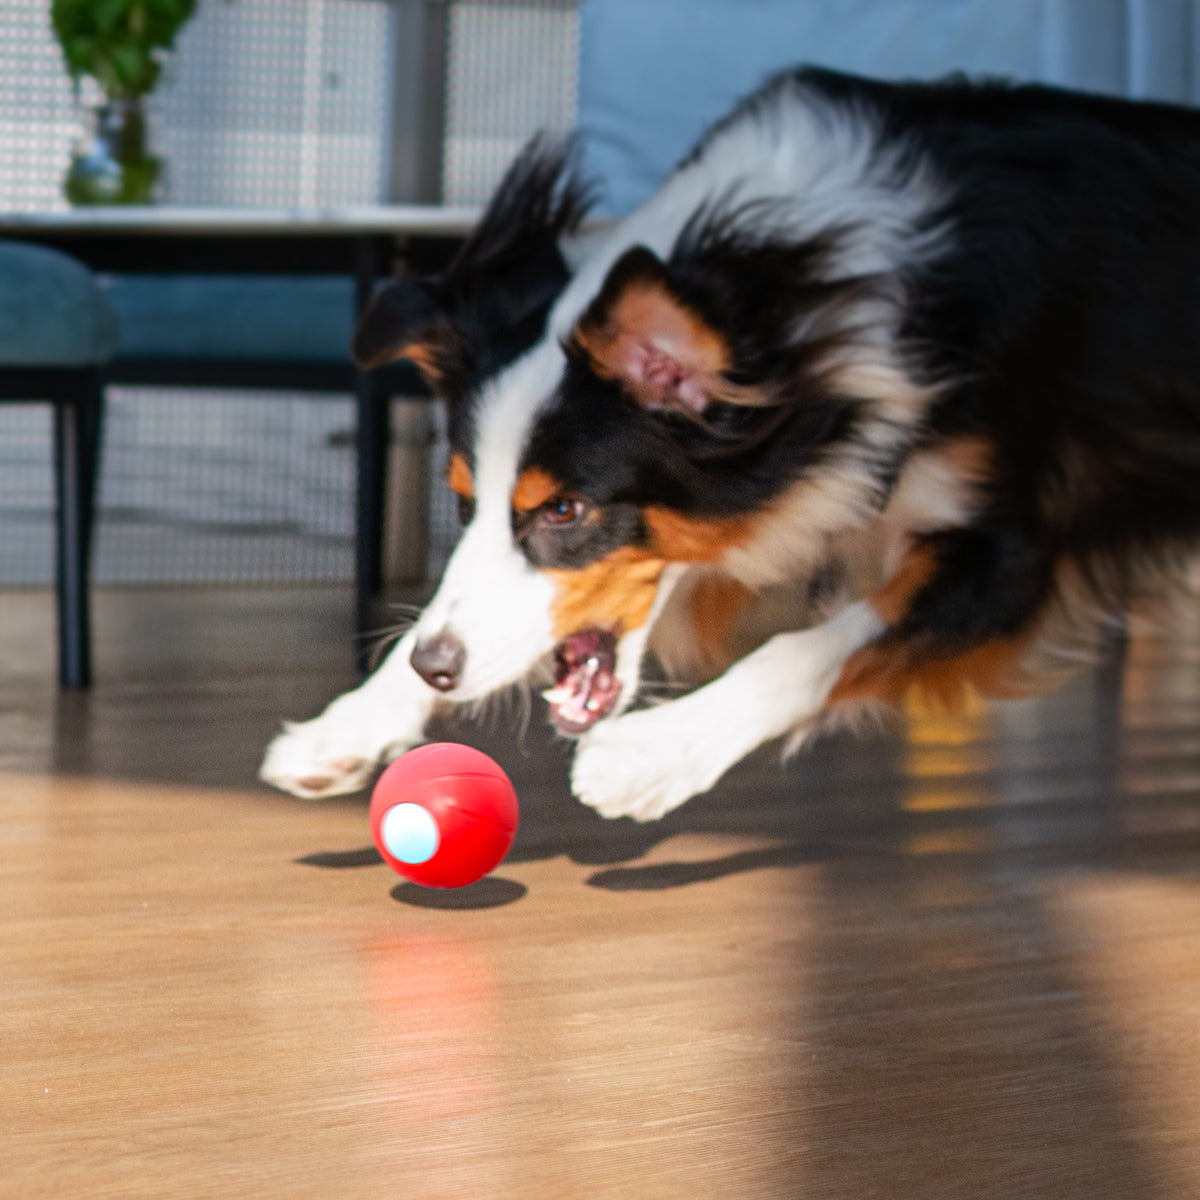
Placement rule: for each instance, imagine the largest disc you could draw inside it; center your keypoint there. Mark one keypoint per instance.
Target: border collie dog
(923, 358)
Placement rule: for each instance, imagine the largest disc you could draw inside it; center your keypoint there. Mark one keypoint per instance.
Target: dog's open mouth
(585, 682)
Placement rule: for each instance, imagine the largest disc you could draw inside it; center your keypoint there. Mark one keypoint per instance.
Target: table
(362, 241)
(188, 233)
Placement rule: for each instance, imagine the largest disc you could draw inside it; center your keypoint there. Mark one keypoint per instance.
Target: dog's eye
(561, 510)
(466, 509)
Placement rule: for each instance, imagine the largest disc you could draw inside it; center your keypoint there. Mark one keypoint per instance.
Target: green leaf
(117, 41)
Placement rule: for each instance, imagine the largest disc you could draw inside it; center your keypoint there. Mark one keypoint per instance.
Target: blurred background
(276, 103)
(303, 106)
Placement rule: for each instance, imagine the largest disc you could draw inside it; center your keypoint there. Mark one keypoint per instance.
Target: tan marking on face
(616, 594)
(533, 488)
(459, 477)
(679, 538)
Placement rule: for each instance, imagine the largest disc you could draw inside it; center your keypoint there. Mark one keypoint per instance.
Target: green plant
(120, 44)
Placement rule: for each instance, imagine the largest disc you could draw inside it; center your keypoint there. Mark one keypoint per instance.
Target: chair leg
(73, 466)
(92, 431)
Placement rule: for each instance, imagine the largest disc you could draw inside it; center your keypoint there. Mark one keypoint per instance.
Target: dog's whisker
(408, 612)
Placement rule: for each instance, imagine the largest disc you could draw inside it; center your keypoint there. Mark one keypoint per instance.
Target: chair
(56, 333)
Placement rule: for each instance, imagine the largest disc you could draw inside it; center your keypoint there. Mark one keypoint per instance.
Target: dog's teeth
(557, 695)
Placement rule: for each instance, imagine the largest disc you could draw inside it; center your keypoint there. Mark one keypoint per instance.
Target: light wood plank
(954, 962)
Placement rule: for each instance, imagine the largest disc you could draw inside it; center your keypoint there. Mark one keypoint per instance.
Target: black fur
(1063, 307)
(1057, 326)
(1069, 306)
(491, 303)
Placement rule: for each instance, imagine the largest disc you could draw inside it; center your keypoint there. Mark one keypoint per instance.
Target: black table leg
(372, 435)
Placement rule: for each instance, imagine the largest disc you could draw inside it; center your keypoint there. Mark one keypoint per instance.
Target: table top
(186, 220)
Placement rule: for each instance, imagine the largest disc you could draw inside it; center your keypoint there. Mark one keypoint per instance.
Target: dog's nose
(439, 661)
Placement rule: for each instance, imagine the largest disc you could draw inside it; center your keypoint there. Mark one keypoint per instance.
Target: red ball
(443, 815)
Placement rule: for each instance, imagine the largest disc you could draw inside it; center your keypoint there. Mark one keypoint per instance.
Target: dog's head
(690, 408)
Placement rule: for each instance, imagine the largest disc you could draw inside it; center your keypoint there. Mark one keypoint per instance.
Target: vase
(114, 164)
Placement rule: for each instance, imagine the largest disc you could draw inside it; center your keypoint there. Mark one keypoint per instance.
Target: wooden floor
(959, 962)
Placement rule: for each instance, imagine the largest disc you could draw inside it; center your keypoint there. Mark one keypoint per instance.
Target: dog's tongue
(585, 686)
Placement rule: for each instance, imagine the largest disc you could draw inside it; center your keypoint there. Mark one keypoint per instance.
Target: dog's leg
(647, 763)
(966, 609)
(338, 751)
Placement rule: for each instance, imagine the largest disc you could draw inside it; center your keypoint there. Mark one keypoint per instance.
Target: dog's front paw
(330, 755)
(637, 766)
(302, 762)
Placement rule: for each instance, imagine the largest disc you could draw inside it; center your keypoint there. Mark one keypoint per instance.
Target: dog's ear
(404, 319)
(641, 331)
(491, 303)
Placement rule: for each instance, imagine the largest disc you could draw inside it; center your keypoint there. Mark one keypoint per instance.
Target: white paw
(639, 766)
(330, 755)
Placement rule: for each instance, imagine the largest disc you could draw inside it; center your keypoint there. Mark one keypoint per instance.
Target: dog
(924, 357)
